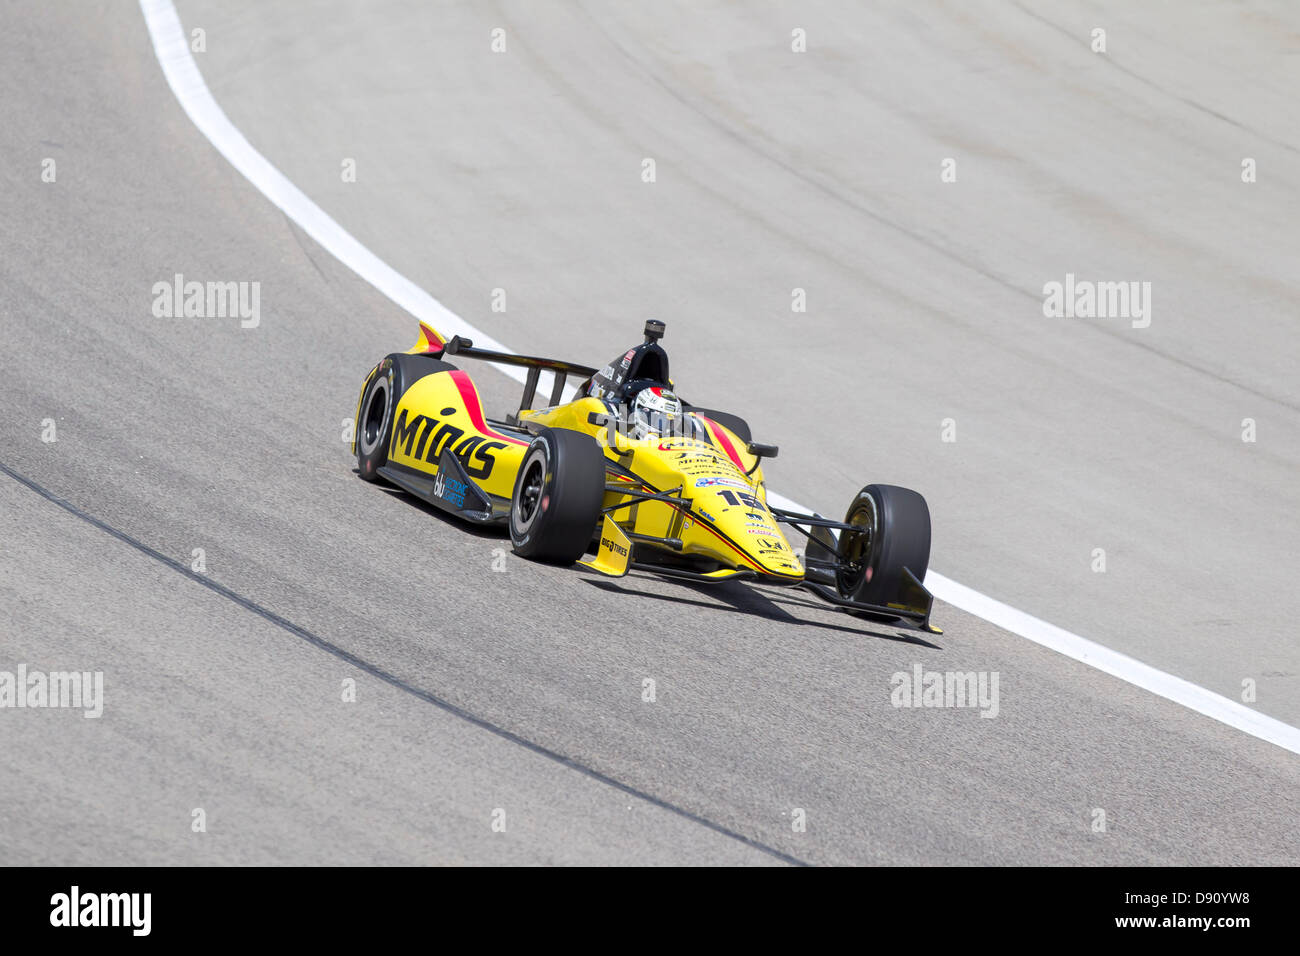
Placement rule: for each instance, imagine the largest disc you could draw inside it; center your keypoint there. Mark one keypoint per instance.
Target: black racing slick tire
(895, 534)
(374, 425)
(558, 496)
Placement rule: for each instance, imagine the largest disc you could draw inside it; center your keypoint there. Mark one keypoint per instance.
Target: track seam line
(186, 81)
(393, 680)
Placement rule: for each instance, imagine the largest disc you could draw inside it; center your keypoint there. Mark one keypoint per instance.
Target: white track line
(173, 51)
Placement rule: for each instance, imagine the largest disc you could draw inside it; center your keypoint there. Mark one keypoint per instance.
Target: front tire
(895, 534)
(558, 496)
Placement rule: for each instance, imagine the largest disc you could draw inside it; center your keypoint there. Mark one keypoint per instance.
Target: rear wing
(432, 343)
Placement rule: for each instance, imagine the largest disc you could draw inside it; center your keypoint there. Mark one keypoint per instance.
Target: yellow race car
(628, 472)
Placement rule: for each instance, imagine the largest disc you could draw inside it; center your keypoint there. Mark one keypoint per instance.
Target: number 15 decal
(741, 499)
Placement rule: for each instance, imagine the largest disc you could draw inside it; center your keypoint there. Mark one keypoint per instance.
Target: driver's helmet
(656, 412)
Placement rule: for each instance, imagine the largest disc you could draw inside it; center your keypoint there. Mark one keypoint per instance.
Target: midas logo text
(422, 437)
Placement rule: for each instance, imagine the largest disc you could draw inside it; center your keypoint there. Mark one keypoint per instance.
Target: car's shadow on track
(746, 600)
(460, 524)
(732, 597)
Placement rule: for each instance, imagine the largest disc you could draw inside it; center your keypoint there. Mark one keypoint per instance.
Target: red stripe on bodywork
(469, 396)
(727, 446)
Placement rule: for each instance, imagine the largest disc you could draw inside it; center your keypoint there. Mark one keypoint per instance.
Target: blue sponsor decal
(713, 482)
(450, 490)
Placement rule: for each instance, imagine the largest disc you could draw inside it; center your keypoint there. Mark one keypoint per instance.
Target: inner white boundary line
(183, 76)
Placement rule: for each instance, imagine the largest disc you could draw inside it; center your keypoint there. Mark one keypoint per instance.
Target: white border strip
(183, 76)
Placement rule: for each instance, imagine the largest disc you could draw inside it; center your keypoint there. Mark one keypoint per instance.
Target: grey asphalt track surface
(521, 691)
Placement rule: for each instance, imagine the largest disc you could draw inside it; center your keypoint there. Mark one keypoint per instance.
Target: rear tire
(895, 535)
(374, 425)
(558, 496)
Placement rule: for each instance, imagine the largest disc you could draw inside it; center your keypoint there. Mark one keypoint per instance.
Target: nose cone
(748, 523)
(774, 554)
